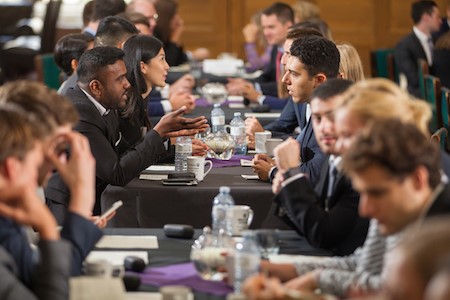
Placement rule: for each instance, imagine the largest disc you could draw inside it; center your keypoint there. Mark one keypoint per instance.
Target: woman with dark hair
(146, 68)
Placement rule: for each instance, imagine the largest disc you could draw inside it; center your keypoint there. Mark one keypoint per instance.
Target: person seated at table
(275, 20)
(326, 216)
(312, 60)
(363, 268)
(412, 265)
(21, 155)
(350, 66)
(169, 28)
(103, 87)
(295, 32)
(146, 68)
(253, 36)
(56, 115)
(101, 10)
(67, 53)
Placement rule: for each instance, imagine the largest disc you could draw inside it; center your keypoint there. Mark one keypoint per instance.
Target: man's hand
(28, 209)
(252, 125)
(250, 92)
(287, 155)
(306, 283)
(78, 172)
(250, 32)
(199, 148)
(180, 99)
(262, 164)
(184, 84)
(235, 86)
(259, 287)
(173, 124)
(277, 182)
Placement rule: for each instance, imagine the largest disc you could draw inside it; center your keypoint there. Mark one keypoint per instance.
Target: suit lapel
(321, 187)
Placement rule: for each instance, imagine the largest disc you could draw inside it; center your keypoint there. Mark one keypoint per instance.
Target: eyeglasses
(154, 17)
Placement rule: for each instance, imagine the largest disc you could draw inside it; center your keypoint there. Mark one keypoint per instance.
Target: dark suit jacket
(340, 229)
(441, 66)
(268, 79)
(80, 232)
(292, 115)
(51, 279)
(312, 156)
(441, 204)
(103, 135)
(275, 102)
(406, 54)
(444, 28)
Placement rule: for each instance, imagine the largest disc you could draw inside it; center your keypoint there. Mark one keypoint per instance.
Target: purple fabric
(201, 102)
(234, 161)
(182, 274)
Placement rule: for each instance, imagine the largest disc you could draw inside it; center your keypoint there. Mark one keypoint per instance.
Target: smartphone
(179, 181)
(112, 209)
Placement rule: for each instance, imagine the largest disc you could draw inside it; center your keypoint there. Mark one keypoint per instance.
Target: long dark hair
(166, 12)
(137, 49)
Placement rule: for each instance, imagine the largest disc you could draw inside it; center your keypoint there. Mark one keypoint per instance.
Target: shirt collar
(436, 192)
(336, 161)
(420, 35)
(102, 110)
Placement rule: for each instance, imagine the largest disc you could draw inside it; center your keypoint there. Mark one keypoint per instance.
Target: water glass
(267, 240)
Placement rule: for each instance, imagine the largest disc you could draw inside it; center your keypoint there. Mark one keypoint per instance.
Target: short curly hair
(318, 54)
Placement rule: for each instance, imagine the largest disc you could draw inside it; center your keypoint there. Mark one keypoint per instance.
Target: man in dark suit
(418, 44)
(326, 216)
(312, 61)
(275, 21)
(399, 181)
(103, 87)
(445, 25)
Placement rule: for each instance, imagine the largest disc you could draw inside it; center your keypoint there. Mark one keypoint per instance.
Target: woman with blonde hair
(350, 66)
(377, 99)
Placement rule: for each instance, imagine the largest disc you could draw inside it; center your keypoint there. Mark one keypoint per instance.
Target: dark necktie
(332, 173)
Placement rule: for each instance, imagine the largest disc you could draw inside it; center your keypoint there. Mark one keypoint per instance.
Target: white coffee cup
(239, 218)
(197, 164)
(260, 141)
(271, 144)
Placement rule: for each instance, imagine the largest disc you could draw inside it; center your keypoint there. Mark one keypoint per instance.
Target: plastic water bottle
(237, 131)
(183, 149)
(246, 259)
(221, 203)
(217, 118)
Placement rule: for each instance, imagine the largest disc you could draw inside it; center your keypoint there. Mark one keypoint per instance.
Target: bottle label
(237, 130)
(183, 148)
(218, 120)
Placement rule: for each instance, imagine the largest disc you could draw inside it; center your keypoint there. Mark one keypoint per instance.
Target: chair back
(440, 137)
(48, 35)
(423, 70)
(383, 64)
(47, 70)
(433, 97)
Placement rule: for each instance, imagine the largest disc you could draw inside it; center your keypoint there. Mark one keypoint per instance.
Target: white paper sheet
(143, 296)
(262, 115)
(128, 242)
(246, 163)
(161, 168)
(115, 258)
(286, 258)
(250, 177)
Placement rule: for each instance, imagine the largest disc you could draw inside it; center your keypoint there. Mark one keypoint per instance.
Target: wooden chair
(383, 64)
(47, 71)
(433, 97)
(423, 70)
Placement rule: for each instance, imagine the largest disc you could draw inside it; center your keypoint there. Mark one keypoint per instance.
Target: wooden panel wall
(367, 24)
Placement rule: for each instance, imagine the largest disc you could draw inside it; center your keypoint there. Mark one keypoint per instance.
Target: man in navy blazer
(418, 44)
(312, 61)
(275, 21)
(327, 215)
(102, 88)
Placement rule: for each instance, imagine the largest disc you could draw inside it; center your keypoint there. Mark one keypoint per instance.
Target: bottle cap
(237, 114)
(224, 189)
(216, 105)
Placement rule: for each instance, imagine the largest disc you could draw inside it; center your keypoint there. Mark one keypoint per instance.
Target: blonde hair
(305, 10)
(379, 98)
(350, 65)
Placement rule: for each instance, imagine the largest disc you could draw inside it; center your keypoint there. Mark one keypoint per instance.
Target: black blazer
(340, 229)
(407, 52)
(104, 136)
(292, 115)
(441, 66)
(441, 204)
